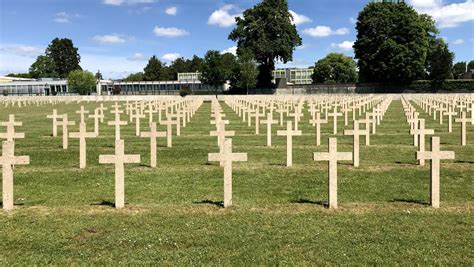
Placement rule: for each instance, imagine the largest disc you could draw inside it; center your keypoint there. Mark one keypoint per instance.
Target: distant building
(189, 76)
(294, 75)
(45, 86)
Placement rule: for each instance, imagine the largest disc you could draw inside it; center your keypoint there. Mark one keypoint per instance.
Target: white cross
(169, 130)
(153, 134)
(117, 122)
(119, 159)
(82, 135)
(435, 156)
(317, 122)
(463, 120)
(355, 142)
(332, 156)
(82, 112)
(65, 123)
(7, 160)
(269, 121)
(289, 133)
(55, 118)
(227, 157)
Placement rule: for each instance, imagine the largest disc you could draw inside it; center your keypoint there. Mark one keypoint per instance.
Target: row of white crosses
(225, 157)
(441, 106)
(120, 158)
(435, 156)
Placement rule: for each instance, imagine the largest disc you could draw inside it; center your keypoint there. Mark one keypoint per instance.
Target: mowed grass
(64, 215)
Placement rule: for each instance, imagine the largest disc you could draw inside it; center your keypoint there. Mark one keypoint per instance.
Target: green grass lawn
(64, 215)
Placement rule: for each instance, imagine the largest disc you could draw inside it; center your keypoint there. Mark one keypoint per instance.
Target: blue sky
(118, 36)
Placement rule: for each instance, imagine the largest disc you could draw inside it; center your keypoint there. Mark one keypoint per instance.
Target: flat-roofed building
(294, 75)
(34, 87)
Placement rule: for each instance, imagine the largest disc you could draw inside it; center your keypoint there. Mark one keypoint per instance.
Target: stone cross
(227, 157)
(102, 109)
(355, 143)
(367, 122)
(82, 135)
(269, 121)
(463, 120)
(169, 130)
(119, 159)
(450, 114)
(421, 132)
(318, 121)
(289, 133)
(117, 123)
(435, 156)
(65, 123)
(332, 156)
(221, 134)
(96, 116)
(55, 118)
(137, 115)
(10, 135)
(153, 134)
(82, 112)
(7, 160)
(335, 114)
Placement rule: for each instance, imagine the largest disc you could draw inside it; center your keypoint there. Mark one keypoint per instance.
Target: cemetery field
(173, 215)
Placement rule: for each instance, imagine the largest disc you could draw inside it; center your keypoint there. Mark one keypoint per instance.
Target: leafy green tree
(459, 69)
(439, 61)
(470, 65)
(335, 68)
(64, 55)
(244, 73)
(135, 77)
(214, 71)
(98, 75)
(196, 64)
(392, 42)
(154, 70)
(267, 30)
(180, 65)
(43, 67)
(81, 82)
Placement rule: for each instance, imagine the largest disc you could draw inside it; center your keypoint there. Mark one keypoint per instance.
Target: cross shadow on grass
(210, 202)
(409, 200)
(104, 203)
(464, 161)
(14, 204)
(313, 202)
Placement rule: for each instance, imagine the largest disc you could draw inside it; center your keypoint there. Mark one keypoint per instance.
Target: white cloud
(458, 42)
(353, 20)
(64, 17)
(324, 31)
(111, 66)
(302, 47)
(109, 39)
(137, 57)
(21, 50)
(169, 32)
(127, 2)
(170, 57)
(172, 11)
(232, 50)
(447, 16)
(222, 16)
(15, 58)
(299, 19)
(344, 46)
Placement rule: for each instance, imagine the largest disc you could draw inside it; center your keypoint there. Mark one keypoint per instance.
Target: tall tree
(335, 68)
(43, 67)
(244, 74)
(196, 64)
(268, 32)
(98, 75)
(459, 69)
(214, 73)
(154, 70)
(81, 82)
(392, 43)
(470, 65)
(180, 65)
(439, 61)
(64, 55)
